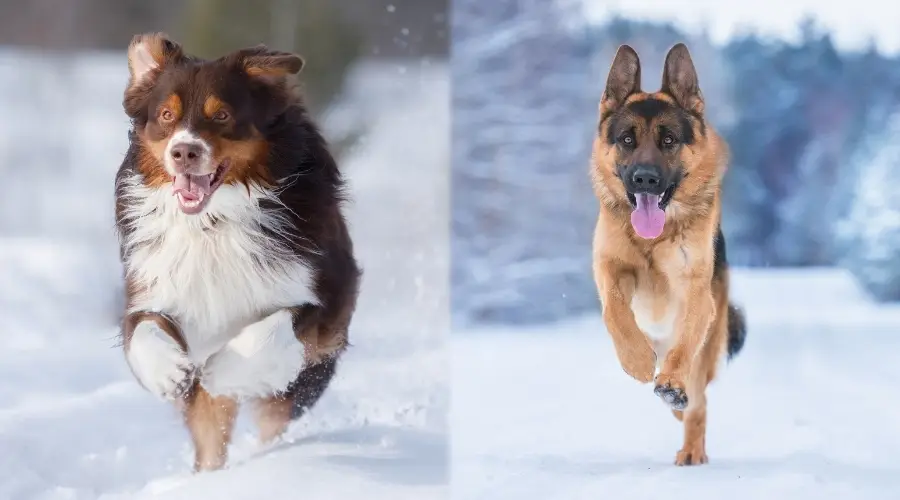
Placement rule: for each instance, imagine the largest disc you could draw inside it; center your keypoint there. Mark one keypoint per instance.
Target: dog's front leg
(633, 348)
(262, 360)
(157, 354)
(692, 329)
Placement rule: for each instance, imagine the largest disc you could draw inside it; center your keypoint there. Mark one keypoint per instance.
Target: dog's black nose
(646, 179)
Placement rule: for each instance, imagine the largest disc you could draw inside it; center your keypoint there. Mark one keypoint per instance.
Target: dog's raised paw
(159, 363)
(675, 397)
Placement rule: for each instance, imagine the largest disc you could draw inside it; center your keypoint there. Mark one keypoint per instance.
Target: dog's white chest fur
(658, 322)
(215, 272)
(656, 305)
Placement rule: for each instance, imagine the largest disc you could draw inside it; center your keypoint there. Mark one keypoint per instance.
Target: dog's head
(200, 123)
(654, 153)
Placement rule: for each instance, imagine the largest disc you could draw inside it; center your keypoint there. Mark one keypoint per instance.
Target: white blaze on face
(185, 136)
(189, 160)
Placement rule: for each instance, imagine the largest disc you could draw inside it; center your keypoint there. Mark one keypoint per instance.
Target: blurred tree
(315, 29)
(870, 234)
(400, 28)
(524, 111)
(387, 28)
(801, 110)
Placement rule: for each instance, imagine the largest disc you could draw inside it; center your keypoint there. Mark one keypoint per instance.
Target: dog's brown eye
(220, 116)
(628, 140)
(166, 116)
(669, 140)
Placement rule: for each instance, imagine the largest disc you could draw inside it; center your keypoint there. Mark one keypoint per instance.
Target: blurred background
(807, 93)
(73, 423)
(807, 101)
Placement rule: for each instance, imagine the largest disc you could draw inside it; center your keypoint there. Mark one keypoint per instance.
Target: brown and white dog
(239, 269)
(659, 252)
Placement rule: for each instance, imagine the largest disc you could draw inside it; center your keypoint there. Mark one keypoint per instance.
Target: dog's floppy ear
(624, 79)
(148, 54)
(269, 65)
(680, 79)
(272, 69)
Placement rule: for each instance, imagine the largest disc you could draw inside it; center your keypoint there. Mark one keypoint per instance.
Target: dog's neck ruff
(215, 271)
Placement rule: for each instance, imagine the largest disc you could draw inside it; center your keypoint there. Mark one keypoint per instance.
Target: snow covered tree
(524, 111)
(315, 29)
(870, 234)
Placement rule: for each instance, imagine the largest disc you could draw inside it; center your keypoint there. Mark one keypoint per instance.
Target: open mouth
(649, 217)
(661, 201)
(194, 191)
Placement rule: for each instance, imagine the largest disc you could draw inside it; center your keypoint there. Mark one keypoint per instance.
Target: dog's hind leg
(275, 413)
(693, 451)
(210, 421)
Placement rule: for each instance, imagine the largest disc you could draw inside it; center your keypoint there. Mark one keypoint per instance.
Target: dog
(659, 257)
(240, 277)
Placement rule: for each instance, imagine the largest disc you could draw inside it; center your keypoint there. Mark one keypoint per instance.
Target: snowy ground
(809, 408)
(74, 424)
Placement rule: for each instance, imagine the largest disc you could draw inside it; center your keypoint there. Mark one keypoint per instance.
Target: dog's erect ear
(680, 79)
(148, 54)
(624, 79)
(269, 65)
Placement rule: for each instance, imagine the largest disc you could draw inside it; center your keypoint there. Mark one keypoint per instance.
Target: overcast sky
(853, 22)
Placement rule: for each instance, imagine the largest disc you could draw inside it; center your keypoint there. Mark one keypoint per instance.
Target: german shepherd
(658, 252)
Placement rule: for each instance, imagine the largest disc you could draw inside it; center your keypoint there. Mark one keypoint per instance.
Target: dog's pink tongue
(191, 186)
(648, 219)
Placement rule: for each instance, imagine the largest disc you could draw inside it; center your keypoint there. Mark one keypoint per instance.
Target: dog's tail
(311, 384)
(737, 330)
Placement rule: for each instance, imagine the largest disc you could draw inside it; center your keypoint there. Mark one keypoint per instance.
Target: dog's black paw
(673, 396)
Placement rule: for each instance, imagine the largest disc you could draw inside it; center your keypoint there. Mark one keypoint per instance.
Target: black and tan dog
(659, 254)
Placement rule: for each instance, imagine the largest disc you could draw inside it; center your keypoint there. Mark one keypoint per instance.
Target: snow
(73, 422)
(808, 408)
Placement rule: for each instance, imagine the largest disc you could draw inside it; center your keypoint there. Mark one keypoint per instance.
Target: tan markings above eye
(170, 109)
(213, 107)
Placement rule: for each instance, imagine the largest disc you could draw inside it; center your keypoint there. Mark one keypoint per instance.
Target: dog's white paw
(262, 360)
(158, 362)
